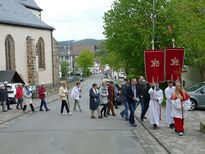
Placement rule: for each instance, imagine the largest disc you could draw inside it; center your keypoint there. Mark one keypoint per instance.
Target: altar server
(156, 98)
(181, 104)
(168, 93)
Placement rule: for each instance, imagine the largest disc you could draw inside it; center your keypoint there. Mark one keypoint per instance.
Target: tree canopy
(85, 60)
(128, 31)
(64, 68)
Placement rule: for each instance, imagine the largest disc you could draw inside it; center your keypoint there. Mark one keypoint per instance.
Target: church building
(26, 43)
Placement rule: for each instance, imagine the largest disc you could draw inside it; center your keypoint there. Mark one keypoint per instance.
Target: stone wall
(33, 78)
(56, 77)
(52, 89)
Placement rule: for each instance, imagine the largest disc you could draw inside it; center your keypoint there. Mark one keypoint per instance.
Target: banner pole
(153, 24)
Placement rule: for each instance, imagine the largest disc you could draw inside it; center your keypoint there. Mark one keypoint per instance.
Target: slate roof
(30, 4)
(14, 13)
(10, 76)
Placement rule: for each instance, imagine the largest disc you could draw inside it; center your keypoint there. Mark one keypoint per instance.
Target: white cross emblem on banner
(155, 63)
(175, 62)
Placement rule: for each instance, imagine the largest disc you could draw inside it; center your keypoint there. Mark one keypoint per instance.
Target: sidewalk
(14, 113)
(193, 140)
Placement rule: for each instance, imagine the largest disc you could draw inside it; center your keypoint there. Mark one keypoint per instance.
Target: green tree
(128, 31)
(190, 18)
(64, 68)
(85, 60)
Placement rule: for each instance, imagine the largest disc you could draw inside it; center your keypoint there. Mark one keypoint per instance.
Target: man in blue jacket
(132, 98)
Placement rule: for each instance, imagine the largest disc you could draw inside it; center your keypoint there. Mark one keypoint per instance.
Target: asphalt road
(53, 133)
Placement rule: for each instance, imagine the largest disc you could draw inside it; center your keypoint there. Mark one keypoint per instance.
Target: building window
(10, 53)
(41, 54)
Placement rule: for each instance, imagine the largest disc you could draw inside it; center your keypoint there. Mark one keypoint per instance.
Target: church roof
(30, 4)
(14, 13)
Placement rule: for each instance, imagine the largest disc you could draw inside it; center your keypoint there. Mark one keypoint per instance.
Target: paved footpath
(193, 141)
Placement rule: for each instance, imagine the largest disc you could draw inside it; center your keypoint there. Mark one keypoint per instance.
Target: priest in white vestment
(156, 98)
(168, 93)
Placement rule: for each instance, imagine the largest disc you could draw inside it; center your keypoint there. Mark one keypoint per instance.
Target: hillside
(82, 42)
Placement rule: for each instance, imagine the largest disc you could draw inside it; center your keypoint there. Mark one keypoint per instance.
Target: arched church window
(41, 54)
(10, 53)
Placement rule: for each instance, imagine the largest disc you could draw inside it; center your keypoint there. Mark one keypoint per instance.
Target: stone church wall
(19, 35)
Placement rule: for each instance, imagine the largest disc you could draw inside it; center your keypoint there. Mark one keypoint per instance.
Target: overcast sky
(75, 19)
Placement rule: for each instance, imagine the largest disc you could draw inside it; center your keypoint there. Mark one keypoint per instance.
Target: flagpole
(153, 25)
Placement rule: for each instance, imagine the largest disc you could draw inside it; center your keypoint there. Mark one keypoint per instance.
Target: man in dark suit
(132, 98)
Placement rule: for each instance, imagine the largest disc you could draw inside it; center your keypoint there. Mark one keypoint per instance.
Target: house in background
(190, 77)
(70, 50)
(26, 42)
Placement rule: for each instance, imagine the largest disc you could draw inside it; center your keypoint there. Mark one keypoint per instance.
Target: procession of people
(102, 99)
(149, 96)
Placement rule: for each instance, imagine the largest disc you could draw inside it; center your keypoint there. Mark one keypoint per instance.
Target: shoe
(100, 117)
(41, 110)
(180, 133)
(122, 116)
(155, 127)
(133, 125)
(108, 114)
(34, 111)
(114, 114)
(4, 111)
(70, 113)
(92, 117)
(10, 109)
(171, 126)
(145, 117)
(105, 116)
(141, 119)
(47, 110)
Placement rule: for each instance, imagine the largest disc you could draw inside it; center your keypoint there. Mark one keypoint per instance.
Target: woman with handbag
(95, 101)
(181, 104)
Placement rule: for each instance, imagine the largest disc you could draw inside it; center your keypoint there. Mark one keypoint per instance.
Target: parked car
(73, 78)
(11, 88)
(197, 94)
(82, 79)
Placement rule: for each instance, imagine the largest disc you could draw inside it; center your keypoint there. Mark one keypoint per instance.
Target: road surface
(53, 133)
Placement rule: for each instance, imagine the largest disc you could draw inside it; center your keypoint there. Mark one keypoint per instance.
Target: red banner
(174, 63)
(154, 65)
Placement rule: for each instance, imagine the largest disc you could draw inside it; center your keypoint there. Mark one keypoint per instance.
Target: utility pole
(153, 25)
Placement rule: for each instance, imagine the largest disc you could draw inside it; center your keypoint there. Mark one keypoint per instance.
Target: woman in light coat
(27, 94)
(76, 95)
(103, 98)
(63, 93)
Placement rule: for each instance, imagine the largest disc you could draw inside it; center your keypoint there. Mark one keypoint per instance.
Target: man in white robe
(168, 93)
(156, 98)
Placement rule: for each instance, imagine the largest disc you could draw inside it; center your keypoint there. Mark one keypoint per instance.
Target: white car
(11, 88)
